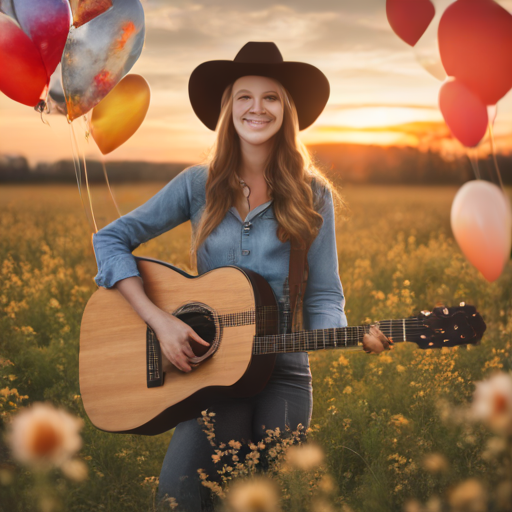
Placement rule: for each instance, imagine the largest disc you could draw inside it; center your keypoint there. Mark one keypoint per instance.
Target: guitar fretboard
(319, 339)
(335, 337)
(266, 315)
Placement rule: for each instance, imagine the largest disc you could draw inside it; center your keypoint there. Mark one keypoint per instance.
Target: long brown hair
(289, 172)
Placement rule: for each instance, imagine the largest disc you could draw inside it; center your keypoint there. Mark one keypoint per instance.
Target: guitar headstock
(449, 327)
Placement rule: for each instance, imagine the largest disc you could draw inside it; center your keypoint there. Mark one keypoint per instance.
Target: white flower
(42, 436)
(492, 402)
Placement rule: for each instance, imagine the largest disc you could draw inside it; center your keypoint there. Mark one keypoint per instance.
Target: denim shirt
(251, 243)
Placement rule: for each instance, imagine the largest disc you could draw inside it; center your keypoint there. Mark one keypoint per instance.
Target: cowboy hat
(307, 85)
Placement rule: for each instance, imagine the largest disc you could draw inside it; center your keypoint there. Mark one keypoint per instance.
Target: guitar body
(116, 357)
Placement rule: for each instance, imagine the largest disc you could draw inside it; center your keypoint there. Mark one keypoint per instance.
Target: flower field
(399, 431)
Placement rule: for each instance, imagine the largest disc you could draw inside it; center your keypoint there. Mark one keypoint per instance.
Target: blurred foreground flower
(469, 496)
(42, 436)
(492, 402)
(75, 469)
(255, 495)
(435, 463)
(305, 457)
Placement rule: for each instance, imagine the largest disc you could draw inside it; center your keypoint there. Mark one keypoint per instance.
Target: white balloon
(426, 50)
(481, 220)
(492, 112)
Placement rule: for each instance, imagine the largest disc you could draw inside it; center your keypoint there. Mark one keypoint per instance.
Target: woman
(257, 191)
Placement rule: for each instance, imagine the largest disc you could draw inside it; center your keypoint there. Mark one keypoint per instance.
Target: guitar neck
(335, 337)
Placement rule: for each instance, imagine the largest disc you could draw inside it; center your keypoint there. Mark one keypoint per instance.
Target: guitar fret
(304, 341)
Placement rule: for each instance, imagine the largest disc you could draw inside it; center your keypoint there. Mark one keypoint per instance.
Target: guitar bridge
(154, 374)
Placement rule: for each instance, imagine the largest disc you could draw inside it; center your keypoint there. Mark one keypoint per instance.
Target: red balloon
(463, 111)
(23, 74)
(47, 23)
(475, 43)
(410, 18)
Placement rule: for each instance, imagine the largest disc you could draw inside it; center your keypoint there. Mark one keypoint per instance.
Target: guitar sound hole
(202, 321)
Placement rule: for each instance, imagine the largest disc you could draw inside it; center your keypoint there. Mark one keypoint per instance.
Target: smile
(255, 123)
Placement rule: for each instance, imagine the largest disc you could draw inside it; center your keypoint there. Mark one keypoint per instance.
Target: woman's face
(257, 108)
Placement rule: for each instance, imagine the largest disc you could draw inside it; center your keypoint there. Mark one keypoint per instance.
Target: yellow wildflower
(255, 495)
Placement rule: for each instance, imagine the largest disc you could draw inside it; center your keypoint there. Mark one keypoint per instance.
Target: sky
(380, 93)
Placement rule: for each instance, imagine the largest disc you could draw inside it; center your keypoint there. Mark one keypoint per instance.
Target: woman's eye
(266, 97)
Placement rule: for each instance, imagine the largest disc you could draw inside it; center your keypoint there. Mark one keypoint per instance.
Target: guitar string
(331, 337)
(251, 313)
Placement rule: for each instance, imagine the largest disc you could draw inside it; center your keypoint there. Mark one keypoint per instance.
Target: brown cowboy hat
(307, 85)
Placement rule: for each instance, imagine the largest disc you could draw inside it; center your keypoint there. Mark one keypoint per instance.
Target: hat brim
(307, 85)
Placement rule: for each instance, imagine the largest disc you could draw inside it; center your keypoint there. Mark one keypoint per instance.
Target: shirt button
(245, 252)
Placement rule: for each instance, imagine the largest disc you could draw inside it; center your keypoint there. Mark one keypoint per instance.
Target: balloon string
(89, 195)
(493, 149)
(108, 185)
(78, 171)
(474, 163)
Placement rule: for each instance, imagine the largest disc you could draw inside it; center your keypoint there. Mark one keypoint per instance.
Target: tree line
(343, 163)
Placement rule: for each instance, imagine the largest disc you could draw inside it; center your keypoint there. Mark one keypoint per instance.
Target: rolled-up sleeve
(113, 245)
(324, 302)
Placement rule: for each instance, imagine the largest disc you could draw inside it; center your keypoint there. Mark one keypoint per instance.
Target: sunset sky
(380, 94)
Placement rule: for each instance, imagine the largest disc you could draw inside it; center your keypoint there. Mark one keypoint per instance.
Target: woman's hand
(173, 335)
(375, 342)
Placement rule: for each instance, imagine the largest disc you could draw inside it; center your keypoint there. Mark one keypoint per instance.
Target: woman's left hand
(375, 342)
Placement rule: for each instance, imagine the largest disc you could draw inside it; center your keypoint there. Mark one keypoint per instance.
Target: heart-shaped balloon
(481, 220)
(475, 43)
(464, 113)
(47, 23)
(409, 18)
(98, 54)
(22, 74)
(118, 116)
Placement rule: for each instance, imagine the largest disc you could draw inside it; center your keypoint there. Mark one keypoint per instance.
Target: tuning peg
(426, 313)
(445, 311)
(462, 304)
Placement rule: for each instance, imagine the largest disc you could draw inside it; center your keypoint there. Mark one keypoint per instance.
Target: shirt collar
(256, 211)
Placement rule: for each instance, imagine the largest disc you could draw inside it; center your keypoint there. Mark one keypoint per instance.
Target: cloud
(345, 40)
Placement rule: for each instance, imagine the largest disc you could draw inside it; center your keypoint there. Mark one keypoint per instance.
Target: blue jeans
(283, 402)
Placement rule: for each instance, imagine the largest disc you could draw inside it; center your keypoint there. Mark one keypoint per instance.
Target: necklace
(245, 188)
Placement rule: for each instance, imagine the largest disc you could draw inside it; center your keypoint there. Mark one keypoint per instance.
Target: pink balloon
(481, 220)
(463, 111)
(409, 18)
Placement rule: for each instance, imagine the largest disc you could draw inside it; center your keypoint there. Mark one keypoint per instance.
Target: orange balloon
(481, 221)
(120, 113)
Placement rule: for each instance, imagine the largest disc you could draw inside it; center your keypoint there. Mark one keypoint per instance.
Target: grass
(375, 417)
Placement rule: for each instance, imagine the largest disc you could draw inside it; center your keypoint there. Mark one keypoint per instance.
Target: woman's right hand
(173, 335)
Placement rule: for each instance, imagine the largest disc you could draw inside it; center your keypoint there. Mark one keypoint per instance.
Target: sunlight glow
(362, 117)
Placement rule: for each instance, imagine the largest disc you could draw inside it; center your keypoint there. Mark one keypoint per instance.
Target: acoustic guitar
(124, 386)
